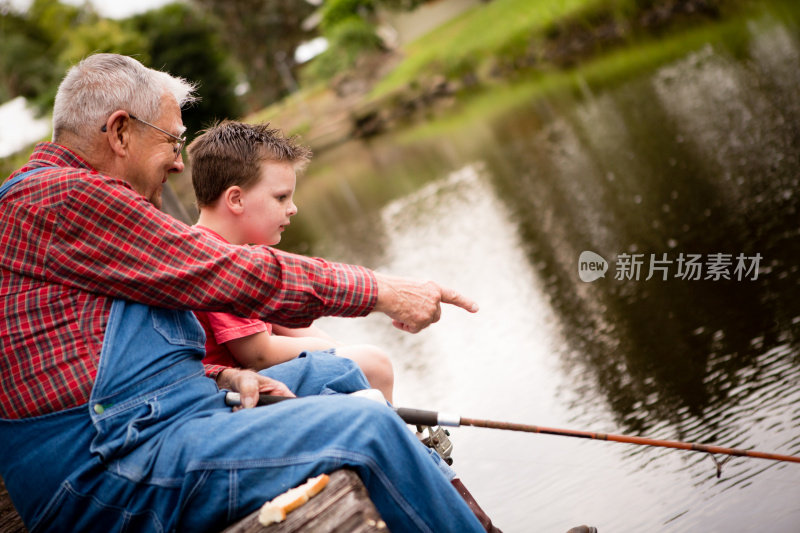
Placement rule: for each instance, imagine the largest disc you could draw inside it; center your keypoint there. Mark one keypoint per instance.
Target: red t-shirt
(223, 327)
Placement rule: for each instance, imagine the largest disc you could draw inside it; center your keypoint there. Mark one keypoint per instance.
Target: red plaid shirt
(74, 239)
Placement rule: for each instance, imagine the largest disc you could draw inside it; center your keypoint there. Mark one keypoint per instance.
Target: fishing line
(433, 418)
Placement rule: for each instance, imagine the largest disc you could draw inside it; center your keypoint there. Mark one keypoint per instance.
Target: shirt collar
(212, 232)
(47, 154)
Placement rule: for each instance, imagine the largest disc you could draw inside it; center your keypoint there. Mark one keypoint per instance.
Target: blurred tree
(41, 44)
(263, 34)
(186, 42)
(89, 34)
(31, 43)
(335, 12)
(101, 35)
(350, 28)
(24, 66)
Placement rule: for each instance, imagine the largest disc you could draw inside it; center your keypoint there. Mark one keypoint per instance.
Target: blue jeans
(156, 448)
(313, 373)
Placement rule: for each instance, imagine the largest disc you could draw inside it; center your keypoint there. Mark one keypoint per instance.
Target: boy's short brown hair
(230, 153)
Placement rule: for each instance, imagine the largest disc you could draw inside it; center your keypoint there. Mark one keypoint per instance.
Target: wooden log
(343, 506)
(10, 521)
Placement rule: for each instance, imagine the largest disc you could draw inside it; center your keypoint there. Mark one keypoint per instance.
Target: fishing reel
(438, 439)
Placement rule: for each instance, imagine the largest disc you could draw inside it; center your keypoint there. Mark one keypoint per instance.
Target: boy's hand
(250, 384)
(414, 305)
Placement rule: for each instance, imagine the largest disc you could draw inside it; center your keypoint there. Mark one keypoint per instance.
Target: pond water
(689, 170)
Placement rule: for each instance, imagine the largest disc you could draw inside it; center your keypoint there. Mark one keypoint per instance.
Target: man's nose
(177, 165)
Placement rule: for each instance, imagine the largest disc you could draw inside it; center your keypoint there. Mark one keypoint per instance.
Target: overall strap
(9, 184)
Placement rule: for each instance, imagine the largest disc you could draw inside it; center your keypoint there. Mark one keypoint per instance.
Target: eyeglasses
(177, 146)
(179, 141)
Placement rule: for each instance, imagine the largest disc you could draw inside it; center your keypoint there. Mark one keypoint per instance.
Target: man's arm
(109, 240)
(411, 304)
(310, 331)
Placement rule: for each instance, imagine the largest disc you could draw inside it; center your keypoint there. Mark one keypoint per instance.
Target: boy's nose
(292, 210)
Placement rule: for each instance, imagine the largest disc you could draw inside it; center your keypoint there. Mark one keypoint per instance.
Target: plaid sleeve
(109, 240)
(212, 371)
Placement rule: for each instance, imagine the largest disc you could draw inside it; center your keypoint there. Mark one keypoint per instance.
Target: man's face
(268, 204)
(152, 152)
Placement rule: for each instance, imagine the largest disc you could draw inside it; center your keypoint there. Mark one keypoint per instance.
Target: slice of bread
(277, 509)
(315, 484)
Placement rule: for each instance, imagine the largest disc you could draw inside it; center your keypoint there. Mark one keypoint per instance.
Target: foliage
(30, 43)
(101, 35)
(24, 65)
(335, 12)
(347, 40)
(478, 34)
(40, 45)
(263, 35)
(348, 26)
(350, 29)
(354, 34)
(402, 5)
(48, 39)
(186, 42)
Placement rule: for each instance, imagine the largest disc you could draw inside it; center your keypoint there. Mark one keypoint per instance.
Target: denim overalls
(156, 448)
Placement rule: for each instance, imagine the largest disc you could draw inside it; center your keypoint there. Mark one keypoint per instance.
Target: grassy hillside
(488, 49)
(502, 29)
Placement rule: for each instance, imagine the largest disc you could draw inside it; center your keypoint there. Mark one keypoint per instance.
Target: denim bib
(150, 372)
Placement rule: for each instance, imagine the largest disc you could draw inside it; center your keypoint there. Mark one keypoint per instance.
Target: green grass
(498, 28)
(595, 74)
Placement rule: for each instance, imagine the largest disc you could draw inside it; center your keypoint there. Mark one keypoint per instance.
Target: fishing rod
(433, 418)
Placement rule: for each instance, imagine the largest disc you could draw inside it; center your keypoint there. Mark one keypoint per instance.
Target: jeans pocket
(148, 416)
(71, 510)
(180, 328)
(118, 434)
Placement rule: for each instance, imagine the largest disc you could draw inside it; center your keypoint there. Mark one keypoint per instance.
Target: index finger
(449, 296)
(273, 386)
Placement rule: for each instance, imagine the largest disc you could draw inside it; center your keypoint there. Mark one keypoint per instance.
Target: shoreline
(360, 106)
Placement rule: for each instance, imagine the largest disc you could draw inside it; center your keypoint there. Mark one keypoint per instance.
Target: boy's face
(268, 204)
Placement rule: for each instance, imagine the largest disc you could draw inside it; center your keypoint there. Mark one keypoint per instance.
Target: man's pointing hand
(414, 305)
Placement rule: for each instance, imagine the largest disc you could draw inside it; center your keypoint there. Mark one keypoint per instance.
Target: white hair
(103, 83)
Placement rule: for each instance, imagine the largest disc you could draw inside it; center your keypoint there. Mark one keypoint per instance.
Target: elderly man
(108, 421)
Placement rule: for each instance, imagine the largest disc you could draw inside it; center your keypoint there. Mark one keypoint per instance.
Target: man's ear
(117, 130)
(234, 199)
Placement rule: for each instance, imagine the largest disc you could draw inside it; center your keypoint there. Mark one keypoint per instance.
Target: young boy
(244, 179)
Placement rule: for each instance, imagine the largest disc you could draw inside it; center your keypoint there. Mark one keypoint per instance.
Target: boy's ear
(234, 199)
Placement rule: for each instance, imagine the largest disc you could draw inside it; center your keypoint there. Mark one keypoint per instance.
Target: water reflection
(693, 171)
(701, 158)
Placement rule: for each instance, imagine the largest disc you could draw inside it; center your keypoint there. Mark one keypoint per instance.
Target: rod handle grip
(409, 416)
(234, 399)
(418, 417)
(269, 399)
